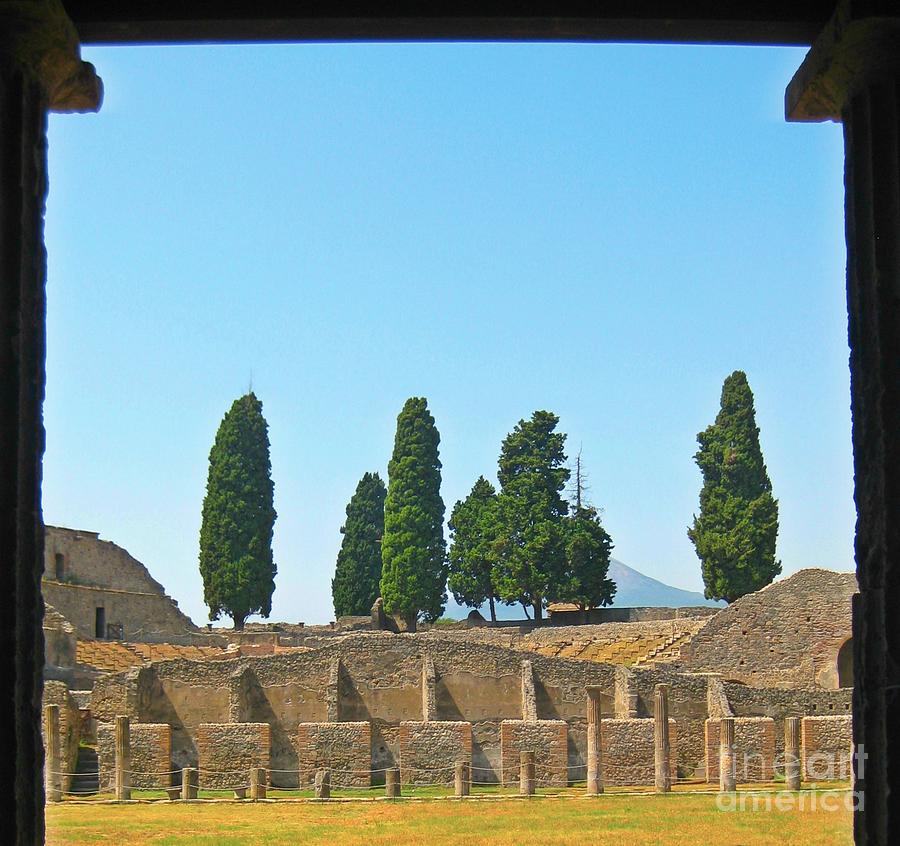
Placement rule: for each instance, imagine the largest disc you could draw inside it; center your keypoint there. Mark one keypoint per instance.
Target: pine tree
(238, 517)
(357, 576)
(413, 552)
(532, 545)
(736, 531)
(473, 554)
(588, 548)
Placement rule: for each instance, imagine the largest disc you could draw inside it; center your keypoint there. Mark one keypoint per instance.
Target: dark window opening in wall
(60, 566)
(100, 623)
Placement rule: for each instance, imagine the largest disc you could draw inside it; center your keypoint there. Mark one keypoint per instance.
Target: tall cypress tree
(588, 548)
(238, 517)
(532, 545)
(357, 576)
(413, 552)
(473, 550)
(737, 528)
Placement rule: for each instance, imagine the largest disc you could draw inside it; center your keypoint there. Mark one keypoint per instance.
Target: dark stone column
(39, 69)
(852, 74)
(594, 754)
(661, 752)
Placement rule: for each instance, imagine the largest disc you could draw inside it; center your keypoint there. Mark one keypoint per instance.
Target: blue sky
(603, 231)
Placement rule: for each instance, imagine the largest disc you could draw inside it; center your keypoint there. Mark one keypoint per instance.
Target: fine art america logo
(819, 767)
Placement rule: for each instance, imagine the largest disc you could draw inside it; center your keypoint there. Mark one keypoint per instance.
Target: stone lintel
(38, 35)
(859, 45)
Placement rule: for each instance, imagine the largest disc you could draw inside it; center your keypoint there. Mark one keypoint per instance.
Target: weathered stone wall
(825, 747)
(430, 750)
(96, 574)
(563, 616)
(378, 678)
(60, 641)
(56, 693)
(788, 634)
(754, 749)
(146, 617)
(151, 755)
(548, 739)
(627, 751)
(346, 748)
(228, 750)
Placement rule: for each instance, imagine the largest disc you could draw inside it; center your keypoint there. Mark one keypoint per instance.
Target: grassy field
(613, 820)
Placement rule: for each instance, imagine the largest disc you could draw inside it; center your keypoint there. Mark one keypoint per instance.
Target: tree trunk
(238, 621)
(538, 612)
(493, 610)
(410, 618)
(525, 609)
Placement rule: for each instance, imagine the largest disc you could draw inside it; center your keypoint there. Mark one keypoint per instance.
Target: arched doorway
(845, 664)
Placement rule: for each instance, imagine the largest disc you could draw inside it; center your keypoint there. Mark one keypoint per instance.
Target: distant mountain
(634, 589)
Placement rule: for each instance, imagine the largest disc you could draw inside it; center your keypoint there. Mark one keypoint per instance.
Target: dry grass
(612, 820)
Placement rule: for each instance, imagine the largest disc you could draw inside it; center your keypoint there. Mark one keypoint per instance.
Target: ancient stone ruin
(333, 706)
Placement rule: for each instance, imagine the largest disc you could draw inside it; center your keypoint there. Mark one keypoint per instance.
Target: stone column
(462, 779)
(123, 758)
(792, 753)
(323, 783)
(526, 773)
(392, 783)
(52, 767)
(852, 74)
(40, 70)
(663, 772)
(594, 759)
(189, 783)
(726, 755)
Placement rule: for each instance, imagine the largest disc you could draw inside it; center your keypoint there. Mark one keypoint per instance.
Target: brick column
(40, 70)
(663, 772)
(594, 760)
(792, 753)
(726, 755)
(52, 777)
(123, 757)
(852, 74)
(526, 773)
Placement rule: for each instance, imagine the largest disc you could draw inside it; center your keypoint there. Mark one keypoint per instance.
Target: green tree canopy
(357, 576)
(473, 547)
(588, 548)
(413, 552)
(238, 517)
(737, 528)
(532, 543)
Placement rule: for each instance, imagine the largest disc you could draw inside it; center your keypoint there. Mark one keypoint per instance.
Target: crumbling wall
(788, 634)
(627, 751)
(548, 739)
(754, 749)
(825, 747)
(228, 750)
(346, 748)
(56, 693)
(430, 750)
(151, 755)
